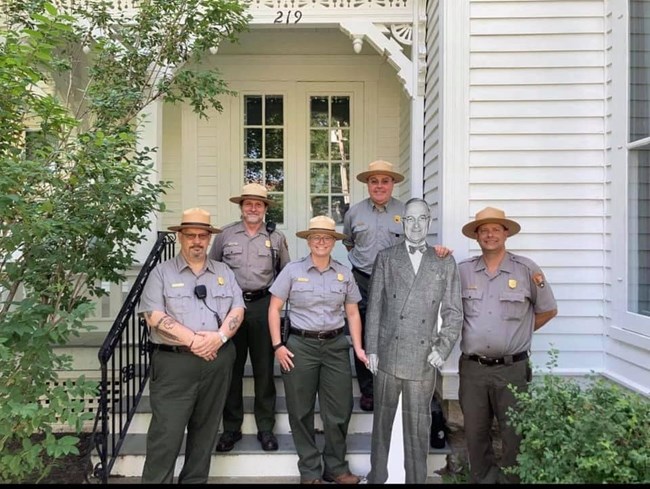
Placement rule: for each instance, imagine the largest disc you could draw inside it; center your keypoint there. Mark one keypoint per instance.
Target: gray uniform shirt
(316, 299)
(170, 288)
(499, 311)
(370, 229)
(249, 257)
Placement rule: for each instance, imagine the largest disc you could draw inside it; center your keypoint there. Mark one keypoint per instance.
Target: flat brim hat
(380, 167)
(195, 218)
(321, 225)
(490, 215)
(253, 191)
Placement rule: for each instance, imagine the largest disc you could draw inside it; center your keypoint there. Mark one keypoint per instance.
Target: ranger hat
(195, 218)
(253, 191)
(321, 225)
(380, 167)
(489, 215)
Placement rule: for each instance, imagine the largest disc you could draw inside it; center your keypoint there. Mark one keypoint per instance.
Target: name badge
(268, 243)
(512, 283)
(175, 286)
(302, 279)
(339, 277)
(220, 280)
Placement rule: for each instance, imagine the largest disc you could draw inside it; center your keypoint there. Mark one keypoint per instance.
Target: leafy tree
(77, 193)
(594, 433)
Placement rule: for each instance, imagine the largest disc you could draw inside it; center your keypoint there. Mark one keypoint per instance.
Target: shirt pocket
(178, 302)
(472, 302)
(302, 294)
(220, 299)
(513, 305)
(337, 292)
(233, 255)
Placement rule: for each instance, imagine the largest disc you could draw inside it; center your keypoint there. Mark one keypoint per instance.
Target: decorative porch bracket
(375, 33)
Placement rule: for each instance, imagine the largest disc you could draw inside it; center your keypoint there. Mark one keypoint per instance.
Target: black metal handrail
(124, 361)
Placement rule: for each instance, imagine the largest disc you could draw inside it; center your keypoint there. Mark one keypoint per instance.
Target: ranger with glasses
(316, 358)
(192, 306)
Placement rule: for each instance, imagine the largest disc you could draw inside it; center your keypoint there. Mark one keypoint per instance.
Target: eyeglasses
(193, 236)
(321, 239)
(411, 219)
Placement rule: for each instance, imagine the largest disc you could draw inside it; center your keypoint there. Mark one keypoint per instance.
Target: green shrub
(573, 433)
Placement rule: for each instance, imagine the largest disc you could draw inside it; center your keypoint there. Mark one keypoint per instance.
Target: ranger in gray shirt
(256, 255)
(505, 299)
(192, 306)
(370, 226)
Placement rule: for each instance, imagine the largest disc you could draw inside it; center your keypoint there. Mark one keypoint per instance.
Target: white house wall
(536, 148)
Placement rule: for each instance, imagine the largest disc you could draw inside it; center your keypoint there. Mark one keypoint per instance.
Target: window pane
(252, 110)
(275, 213)
(275, 176)
(319, 178)
(319, 112)
(253, 143)
(339, 209)
(274, 143)
(340, 144)
(338, 177)
(319, 206)
(639, 232)
(318, 144)
(341, 111)
(274, 109)
(254, 172)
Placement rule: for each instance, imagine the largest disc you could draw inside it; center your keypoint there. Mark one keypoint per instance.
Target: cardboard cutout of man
(409, 285)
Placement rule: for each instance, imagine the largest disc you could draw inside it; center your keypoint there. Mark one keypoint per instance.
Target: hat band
(322, 229)
(197, 224)
(252, 196)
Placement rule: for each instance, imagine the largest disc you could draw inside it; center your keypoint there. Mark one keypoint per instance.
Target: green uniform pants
(186, 392)
(323, 367)
(483, 393)
(253, 335)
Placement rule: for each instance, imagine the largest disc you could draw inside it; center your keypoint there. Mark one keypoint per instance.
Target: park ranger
(255, 252)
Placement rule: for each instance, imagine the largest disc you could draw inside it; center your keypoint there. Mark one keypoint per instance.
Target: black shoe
(366, 402)
(268, 440)
(228, 440)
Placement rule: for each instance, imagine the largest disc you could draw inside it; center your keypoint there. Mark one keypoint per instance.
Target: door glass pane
(329, 153)
(264, 148)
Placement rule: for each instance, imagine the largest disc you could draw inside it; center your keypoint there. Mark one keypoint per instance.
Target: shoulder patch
(538, 278)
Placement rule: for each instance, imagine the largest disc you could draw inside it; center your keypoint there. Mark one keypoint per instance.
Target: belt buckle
(323, 335)
(247, 296)
(480, 359)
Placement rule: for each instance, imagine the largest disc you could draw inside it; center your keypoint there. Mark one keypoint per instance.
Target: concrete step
(248, 458)
(360, 422)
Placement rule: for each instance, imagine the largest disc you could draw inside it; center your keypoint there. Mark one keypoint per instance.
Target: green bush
(573, 433)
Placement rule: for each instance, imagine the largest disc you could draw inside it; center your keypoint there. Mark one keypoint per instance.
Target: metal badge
(178, 285)
(267, 243)
(512, 283)
(340, 277)
(221, 280)
(302, 279)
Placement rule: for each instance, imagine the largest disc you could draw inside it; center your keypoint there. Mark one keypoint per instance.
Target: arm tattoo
(168, 334)
(166, 321)
(233, 323)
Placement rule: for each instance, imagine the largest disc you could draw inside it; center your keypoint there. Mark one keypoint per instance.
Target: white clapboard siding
(537, 150)
(432, 114)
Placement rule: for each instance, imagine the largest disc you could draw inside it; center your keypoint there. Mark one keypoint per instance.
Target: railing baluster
(123, 382)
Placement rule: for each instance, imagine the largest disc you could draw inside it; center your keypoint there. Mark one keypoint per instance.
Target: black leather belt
(320, 335)
(170, 348)
(505, 360)
(253, 295)
(363, 274)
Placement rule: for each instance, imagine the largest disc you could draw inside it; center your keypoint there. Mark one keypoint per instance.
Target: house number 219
(287, 17)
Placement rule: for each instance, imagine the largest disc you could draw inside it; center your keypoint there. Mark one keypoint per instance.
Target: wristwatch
(223, 336)
(278, 345)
